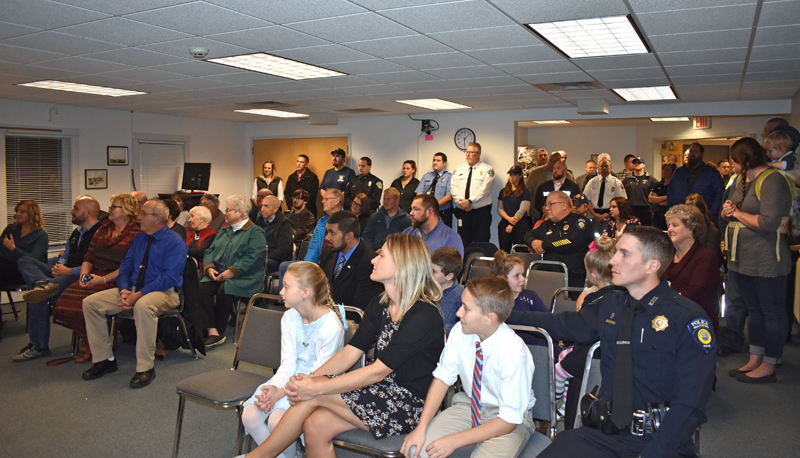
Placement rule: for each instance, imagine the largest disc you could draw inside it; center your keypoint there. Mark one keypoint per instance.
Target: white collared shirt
(614, 189)
(507, 370)
(480, 192)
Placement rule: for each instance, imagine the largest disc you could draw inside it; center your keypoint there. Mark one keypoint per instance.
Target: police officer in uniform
(364, 182)
(437, 183)
(657, 367)
(563, 237)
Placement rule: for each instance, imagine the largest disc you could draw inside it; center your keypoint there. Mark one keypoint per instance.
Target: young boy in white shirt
(493, 411)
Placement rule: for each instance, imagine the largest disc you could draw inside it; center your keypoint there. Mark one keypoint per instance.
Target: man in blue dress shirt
(437, 183)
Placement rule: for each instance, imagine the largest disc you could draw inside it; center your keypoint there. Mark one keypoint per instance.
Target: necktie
(476, 386)
(469, 182)
(602, 193)
(622, 395)
(143, 267)
(432, 188)
(339, 266)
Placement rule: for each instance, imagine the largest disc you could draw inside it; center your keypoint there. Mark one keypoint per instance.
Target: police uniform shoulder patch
(702, 334)
(580, 222)
(379, 185)
(491, 173)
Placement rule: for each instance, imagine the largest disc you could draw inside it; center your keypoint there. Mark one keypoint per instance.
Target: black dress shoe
(100, 369)
(142, 379)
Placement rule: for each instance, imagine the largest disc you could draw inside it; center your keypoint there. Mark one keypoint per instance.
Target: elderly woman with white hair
(199, 235)
(233, 266)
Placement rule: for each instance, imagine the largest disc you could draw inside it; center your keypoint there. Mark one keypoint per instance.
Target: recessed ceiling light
(274, 65)
(673, 119)
(82, 88)
(646, 93)
(552, 122)
(275, 113)
(433, 104)
(608, 36)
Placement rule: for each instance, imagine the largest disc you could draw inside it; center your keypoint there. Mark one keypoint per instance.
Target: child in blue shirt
(446, 263)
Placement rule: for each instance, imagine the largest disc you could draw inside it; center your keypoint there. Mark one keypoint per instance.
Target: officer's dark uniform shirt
(673, 357)
(369, 184)
(565, 241)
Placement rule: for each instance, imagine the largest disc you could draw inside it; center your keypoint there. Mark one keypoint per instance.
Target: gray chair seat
(364, 442)
(223, 386)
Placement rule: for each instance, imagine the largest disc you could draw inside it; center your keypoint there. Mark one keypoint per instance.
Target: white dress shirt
(614, 189)
(507, 370)
(480, 192)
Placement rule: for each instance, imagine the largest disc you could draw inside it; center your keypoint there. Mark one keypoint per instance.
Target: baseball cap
(580, 199)
(515, 170)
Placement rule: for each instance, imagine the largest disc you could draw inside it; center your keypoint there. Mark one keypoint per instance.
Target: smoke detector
(198, 53)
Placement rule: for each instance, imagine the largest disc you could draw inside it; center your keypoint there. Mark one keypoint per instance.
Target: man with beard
(638, 186)
(560, 182)
(696, 177)
(339, 175)
(564, 237)
(347, 262)
(48, 281)
(425, 224)
(543, 173)
(302, 220)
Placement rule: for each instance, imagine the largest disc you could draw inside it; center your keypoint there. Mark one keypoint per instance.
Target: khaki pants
(458, 418)
(145, 313)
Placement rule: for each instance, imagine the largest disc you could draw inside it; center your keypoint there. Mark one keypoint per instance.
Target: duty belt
(648, 422)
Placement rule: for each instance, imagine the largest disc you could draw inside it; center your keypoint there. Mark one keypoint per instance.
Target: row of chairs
(542, 282)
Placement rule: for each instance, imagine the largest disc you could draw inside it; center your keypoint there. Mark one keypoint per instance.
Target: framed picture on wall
(117, 155)
(594, 157)
(96, 178)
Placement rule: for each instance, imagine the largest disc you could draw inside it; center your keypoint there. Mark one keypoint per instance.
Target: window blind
(40, 168)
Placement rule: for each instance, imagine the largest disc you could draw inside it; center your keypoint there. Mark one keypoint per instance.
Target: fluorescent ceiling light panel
(552, 122)
(673, 119)
(275, 113)
(82, 88)
(433, 104)
(636, 94)
(274, 65)
(608, 36)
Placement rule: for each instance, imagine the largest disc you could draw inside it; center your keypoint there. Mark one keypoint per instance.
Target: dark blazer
(352, 286)
(545, 188)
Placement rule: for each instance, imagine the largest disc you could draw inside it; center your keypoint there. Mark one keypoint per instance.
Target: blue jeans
(735, 315)
(32, 271)
(765, 299)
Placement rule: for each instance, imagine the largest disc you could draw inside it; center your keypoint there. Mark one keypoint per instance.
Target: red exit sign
(702, 122)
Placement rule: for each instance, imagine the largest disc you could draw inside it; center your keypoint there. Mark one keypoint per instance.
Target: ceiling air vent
(361, 111)
(577, 86)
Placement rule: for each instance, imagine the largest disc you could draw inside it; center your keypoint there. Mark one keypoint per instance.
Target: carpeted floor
(51, 411)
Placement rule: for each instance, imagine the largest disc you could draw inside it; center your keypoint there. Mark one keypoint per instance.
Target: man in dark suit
(347, 262)
(544, 173)
(559, 182)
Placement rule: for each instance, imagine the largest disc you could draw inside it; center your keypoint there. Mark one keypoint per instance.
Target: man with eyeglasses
(563, 237)
(147, 284)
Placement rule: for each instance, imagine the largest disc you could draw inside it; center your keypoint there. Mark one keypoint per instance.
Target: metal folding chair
(560, 304)
(480, 266)
(545, 282)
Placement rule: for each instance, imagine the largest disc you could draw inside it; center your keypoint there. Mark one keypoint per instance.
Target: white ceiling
(474, 52)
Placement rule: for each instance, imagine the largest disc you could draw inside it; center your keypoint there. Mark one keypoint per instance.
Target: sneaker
(213, 341)
(30, 352)
(41, 292)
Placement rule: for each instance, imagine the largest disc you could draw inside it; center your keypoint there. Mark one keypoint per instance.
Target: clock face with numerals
(464, 137)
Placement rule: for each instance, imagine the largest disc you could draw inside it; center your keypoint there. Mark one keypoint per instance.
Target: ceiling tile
(515, 55)
(285, 11)
(123, 31)
(198, 67)
(488, 38)
(380, 89)
(709, 56)
(698, 20)
(321, 55)
(431, 61)
(45, 14)
(365, 67)
(195, 83)
(778, 35)
(700, 41)
(377, 5)
(789, 75)
(525, 13)
(466, 72)
(133, 56)
(492, 81)
(60, 43)
(775, 52)
(399, 46)
(17, 55)
(616, 62)
(787, 64)
(103, 80)
(180, 48)
(286, 85)
(448, 16)
(402, 77)
(246, 78)
(369, 26)
(440, 85)
(650, 6)
(634, 82)
(145, 75)
(704, 69)
(649, 72)
(531, 68)
(707, 79)
(344, 81)
(546, 78)
(237, 91)
(118, 8)
(33, 72)
(9, 30)
(318, 93)
(268, 39)
(198, 18)
(779, 13)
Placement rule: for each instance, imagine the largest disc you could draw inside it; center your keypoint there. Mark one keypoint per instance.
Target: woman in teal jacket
(233, 267)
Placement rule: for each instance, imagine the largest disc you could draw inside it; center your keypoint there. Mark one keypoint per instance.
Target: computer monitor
(196, 176)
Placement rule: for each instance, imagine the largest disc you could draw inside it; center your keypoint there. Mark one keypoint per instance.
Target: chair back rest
(260, 340)
(544, 378)
(546, 282)
(592, 377)
(479, 266)
(301, 253)
(348, 334)
(561, 301)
